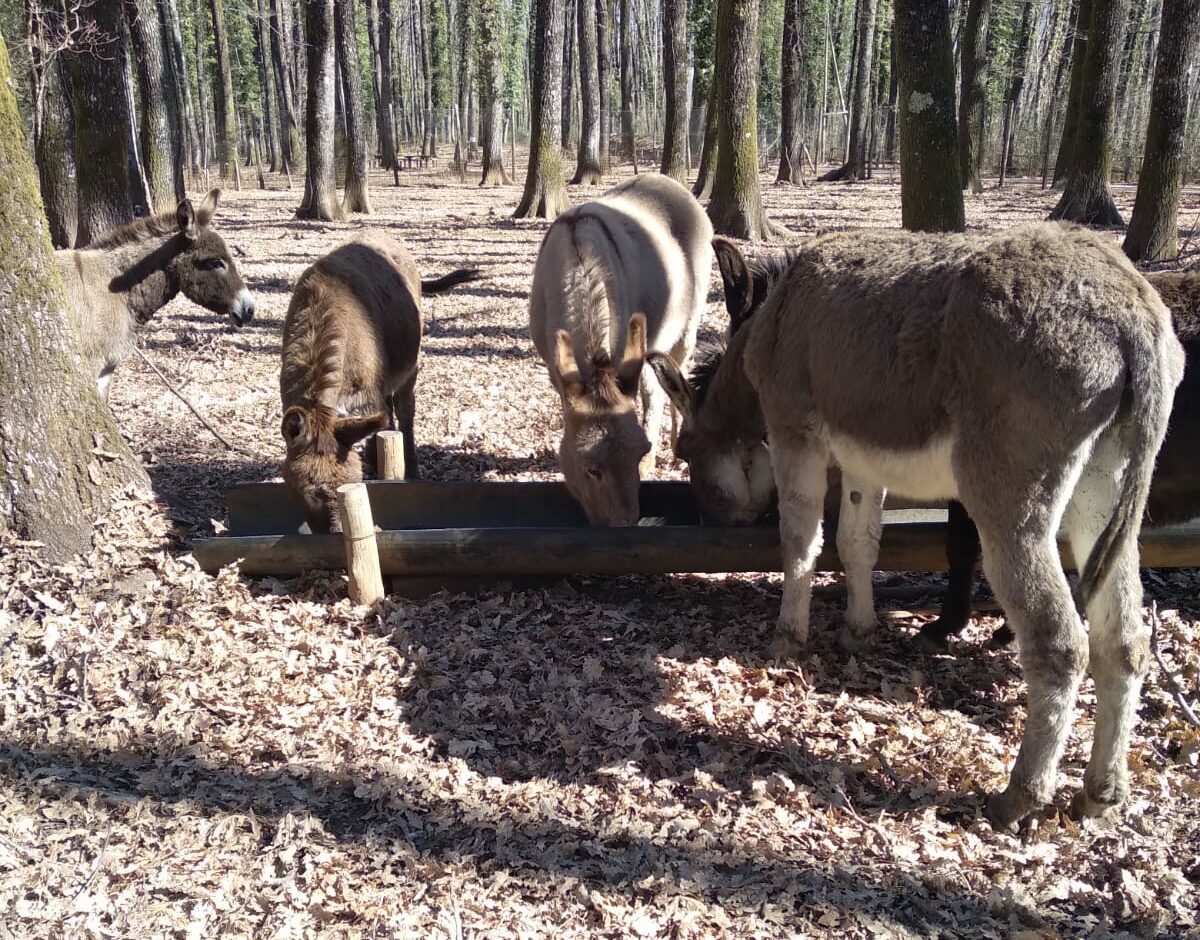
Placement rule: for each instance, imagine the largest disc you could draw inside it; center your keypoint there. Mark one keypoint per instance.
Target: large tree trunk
(387, 117)
(356, 198)
(931, 197)
(53, 130)
(545, 194)
(973, 95)
(1066, 146)
(587, 160)
(628, 137)
(96, 83)
(1086, 198)
(289, 128)
(491, 90)
(1153, 231)
(52, 483)
(675, 67)
(855, 167)
(158, 143)
(320, 179)
(604, 70)
(792, 88)
(736, 205)
(223, 100)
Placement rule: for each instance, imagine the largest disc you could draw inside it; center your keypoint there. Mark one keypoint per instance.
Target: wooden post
(390, 450)
(358, 537)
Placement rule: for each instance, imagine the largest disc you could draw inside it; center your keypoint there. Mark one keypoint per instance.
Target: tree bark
(1012, 98)
(289, 128)
(604, 69)
(223, 100)
(1066, 146)
(1086, 198)
(270, 94)
(99, 101)
(545, 195)
(320, 180)
(356, 198)
(568, 69)
(736, 206)
(491, 91)
(189, 134)
(628, 138)
(587, 161)
(973, 96)
(52, 483)
(855, 167)
(675, 66)
(387, 117)
(792, 90)
(706, 172)
(158, 143)
(53, 131)
(1153, 230)
(465, 45)
(930, 186)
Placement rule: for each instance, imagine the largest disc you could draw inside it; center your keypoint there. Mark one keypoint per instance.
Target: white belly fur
(924, 473)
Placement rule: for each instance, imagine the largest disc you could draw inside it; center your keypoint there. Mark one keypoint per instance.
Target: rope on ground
(1173, 682)
(192, 408)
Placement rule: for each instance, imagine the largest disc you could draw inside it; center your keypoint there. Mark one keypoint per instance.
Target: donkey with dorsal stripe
(351, 340)
(1029, 375)
(614, 278)
(123, 278)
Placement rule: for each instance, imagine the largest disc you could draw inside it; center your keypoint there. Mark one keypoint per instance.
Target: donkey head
(321, 457)
(602, 440)
(204, 268)
(730, 472)
(747, 284)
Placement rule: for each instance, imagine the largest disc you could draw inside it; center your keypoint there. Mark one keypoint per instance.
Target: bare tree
(289, 129)
(158, 143)
(47, 36)
(855, 167)
(465, 41)
(675, 68)
(628, 139)
(603, 69)
(545, 194)
(792, 88)
(973, 94)
(491, 94)
(587, 161)
(356, 198)
(1066, 146)
(223, 101)
(320, 181)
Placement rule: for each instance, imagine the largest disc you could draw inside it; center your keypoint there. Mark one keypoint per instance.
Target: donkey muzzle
(241, 311)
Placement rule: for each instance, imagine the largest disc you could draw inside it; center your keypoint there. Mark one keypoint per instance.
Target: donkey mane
(588, 310)
(316, 355)
(704, 370)
(150, 226)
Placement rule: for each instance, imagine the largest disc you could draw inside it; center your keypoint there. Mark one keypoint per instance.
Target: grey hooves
(786, 646)
(1006, 811)
(1085, 807)
(853, 639)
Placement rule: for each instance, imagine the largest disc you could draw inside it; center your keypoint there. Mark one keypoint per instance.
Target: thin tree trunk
(931, 197)
(1153, 230)
(183, 89)
(356, 198)
(1012, 97)
(973, 95)
(387, 138)
(320, 180)
(706, 172)
(289, 129)
(158, 143)
(604, 70)
(270, 95)
(53, 132)
(628, 139)
(52, 484)
(1066, 147)
(137, 176)
(465, 45)
(227, 148)
(545, 196)
(855, 167)
(793, 86)
(491, 87)
(587, 161)
(568, 70)
(675, 67)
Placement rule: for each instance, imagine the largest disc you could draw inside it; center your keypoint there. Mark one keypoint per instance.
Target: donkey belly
(921, 473)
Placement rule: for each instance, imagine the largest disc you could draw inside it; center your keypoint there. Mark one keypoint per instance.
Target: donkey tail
(1145, 409)
(439, 284)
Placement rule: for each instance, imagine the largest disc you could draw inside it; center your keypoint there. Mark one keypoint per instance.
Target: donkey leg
(406, 408)
(962, 554)
(860, 523)
(654, 399)
(1118, 640)
(799, 470)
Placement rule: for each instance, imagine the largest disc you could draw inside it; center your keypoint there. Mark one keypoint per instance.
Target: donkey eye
(594, 473)
(213, 264)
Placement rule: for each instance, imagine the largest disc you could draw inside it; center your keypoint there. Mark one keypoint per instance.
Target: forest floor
(192, 756)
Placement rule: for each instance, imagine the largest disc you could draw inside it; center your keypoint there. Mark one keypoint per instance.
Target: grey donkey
(616, 278)
(1029, 375)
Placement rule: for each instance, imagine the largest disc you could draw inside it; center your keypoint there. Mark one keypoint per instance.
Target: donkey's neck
(730, 402)
(141, 271)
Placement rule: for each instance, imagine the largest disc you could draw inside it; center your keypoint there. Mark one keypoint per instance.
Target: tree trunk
(99, 103)
(1066, 146)
(1012, 98)
(628, 138)
(223, 100)
(386, 103)
(491, 91)
(320, 180)
(190, 134)
(1086, 198)
(421, 44)
(138, 187)
(736, 205)
(675, 68)
(587, 160)
(53, 134)
(603, 70)
(289, 128)
(270, 95)
(52, 483)
(439, 71)
(705, 173)
(465, 45)
(930, 187)
(1153, 232)
(568, 69)
(356, 198)
(158, 143)
(855, 167)
(973, 95)
(545, 195)
(889, 133)
(793, 86)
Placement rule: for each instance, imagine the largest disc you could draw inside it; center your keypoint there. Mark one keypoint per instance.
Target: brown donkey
(351, 341)
(122, 279)
(1029, 375)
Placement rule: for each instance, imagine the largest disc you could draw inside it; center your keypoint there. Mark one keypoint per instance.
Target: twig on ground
(1173, 682)
(95, 868)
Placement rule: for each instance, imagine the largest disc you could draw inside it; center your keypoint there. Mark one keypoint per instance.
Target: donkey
(127, 275)
(351, 340)
(614, 278)
(1174, 489)
(1029, 375)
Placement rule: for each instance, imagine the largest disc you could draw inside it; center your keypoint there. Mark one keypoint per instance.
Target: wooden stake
(358, 537)
(390, 449)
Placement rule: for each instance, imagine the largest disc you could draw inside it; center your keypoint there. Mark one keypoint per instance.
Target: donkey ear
(566, 365)
(671, 379)
(208, 207)
(185, 217)
(634, 357)
(295, 426)
(349, 431)
(739, 285)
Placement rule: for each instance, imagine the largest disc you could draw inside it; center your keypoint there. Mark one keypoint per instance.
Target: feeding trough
(461, 535)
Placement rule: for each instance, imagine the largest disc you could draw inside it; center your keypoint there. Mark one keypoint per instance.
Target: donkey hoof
(1088, 807)
(931, 641)
(853, 637)
(1001, 638)
(1007, 810)
(786, 645)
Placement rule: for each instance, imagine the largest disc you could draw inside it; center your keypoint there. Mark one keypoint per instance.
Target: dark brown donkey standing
(351, 341)
(127, 275)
